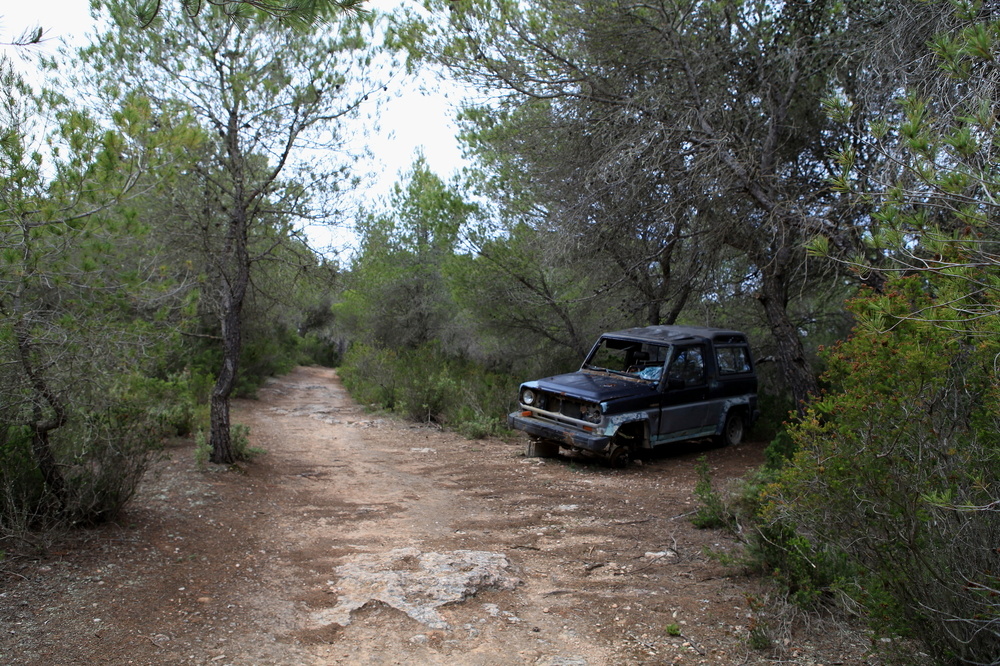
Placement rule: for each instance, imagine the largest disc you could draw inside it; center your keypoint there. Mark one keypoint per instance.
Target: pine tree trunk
(232, 343)
(45, 400)
(221, 440)
(233, 289)
(791, 355)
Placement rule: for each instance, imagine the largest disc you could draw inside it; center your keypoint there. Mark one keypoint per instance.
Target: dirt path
(366, 540)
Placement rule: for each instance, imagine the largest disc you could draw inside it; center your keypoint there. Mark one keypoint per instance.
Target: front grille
(571, 408)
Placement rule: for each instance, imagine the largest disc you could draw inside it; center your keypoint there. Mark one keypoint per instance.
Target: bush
(897, 471)
(774, 412)
(102, 451)
(429, 385)
(426, 385)
(267, 351)
(178, 404)
(369, 374)
(713, 512)
(22, 490)
(240, 437)
(315, 349)
(770, 547)
(105, 456)
(265, 356)
(102, 455)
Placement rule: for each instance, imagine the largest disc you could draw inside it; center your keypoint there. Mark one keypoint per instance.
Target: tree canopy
(677, 140)
(295, 13)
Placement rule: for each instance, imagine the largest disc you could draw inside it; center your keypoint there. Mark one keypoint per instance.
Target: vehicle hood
(593, 386)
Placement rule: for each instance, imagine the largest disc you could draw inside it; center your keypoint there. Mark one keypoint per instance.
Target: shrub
(240, 437)
(316, 349)
(369, 374)
(897, 470)
(102, 455)
(178, 403)
(426, 385)
(105, 455)
(265, 356)
(22, 489)
(429, 385)
(713, 512)
(770, 547)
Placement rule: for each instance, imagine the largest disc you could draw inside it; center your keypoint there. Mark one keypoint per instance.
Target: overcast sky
(414, 122)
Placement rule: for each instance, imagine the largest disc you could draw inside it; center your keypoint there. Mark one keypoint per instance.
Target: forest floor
(361, 539)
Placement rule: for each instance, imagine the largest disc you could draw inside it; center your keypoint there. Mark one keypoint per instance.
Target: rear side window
(688, 366)
(732, 360)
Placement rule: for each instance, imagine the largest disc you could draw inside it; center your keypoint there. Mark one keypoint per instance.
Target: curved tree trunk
(234, 290)
(234, 279)
(48, 413)
(791, 355)
(221, 439)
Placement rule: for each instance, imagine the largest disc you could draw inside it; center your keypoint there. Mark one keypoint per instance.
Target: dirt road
(366, 540)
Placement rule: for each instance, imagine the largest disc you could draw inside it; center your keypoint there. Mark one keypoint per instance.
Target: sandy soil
(361, 539)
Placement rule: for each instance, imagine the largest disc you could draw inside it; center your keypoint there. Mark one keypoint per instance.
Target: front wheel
(620, 456)
(732, 431)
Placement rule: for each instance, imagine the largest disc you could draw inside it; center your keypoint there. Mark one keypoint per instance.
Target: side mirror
(675, 383)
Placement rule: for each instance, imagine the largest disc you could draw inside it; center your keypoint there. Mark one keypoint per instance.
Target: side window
(732, 360)
(689, 366)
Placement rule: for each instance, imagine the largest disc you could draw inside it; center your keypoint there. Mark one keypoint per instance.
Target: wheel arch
(632, 430)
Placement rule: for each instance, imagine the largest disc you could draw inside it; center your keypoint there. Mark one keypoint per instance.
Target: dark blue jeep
(642, 388)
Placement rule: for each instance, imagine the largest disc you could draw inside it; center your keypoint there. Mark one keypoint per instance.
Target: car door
(684, 410)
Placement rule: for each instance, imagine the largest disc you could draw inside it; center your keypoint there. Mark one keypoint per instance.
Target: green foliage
(299, 14)
(107, 454)
(775, 409)
(176, 404)
(84, 308)
(626, 189)
(397, 292)
(242, 451)
(779, 451)
(317, 349)
(528, 300)
(241, 443)
(712, 511)
(22, 490)
(759, 630)
(103, 455)
(202, 449)
(427, 385)
(771, 547)
(266, 356)
(369, 374)
(898, 470)
(264, 102)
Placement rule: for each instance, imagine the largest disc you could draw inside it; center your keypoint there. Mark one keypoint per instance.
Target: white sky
(413, 122)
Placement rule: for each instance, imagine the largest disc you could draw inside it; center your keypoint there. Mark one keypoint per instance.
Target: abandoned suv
(642, 388)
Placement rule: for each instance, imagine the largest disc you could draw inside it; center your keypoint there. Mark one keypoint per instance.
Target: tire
(733, 430)
(620, 456)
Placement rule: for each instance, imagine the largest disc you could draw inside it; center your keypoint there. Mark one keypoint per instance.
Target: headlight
(591, 413)
(533, 398)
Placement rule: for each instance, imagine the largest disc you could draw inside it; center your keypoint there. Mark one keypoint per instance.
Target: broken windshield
(630, 358)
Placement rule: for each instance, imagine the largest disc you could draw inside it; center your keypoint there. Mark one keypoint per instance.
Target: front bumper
(557, 432)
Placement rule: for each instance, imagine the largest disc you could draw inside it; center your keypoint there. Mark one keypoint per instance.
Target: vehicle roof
(678, 334)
